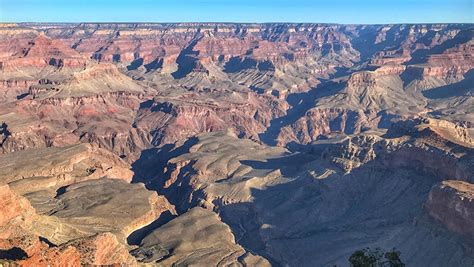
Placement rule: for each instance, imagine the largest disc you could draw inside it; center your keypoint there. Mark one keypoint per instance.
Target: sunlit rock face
(235, 144)
(196, 230)
(382, 183)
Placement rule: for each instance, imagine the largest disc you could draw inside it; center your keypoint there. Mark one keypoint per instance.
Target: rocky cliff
(273, 144)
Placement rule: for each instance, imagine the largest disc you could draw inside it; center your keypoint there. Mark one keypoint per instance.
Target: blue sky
(330, 11)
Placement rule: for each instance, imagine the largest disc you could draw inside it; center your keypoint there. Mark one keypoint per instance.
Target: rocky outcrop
(17, 240)
(247, 114)
(116, 206)
(103, 119)
(12, 205)
(452, 204)
(54, 256)
(434, 131)
(317, 123)
(209, 160)
(43, 52)
(249, 70)
(198, 238)
(101, 249)
(452, 59)
(445, 63)
(95, 80)
(372, 177)
(366, 119)
(17, 214)
(52, 168)
(78, 239)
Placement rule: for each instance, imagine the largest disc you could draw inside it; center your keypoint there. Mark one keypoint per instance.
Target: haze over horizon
(337, 11)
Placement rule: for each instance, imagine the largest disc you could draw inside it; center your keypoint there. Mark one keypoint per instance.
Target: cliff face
(196, 230)
(342, 185)
(451, 203)
(48, 200)
(90, 73)
(177, 118)
(40, 52)
(298, 139)
(16, 211)
(78, 225)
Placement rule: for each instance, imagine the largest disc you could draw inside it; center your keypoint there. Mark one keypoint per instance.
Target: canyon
(234, 144)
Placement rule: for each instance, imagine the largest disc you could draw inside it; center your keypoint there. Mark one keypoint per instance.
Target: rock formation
(235, 144)
(197, 237)
(451, 202)
(335, 183)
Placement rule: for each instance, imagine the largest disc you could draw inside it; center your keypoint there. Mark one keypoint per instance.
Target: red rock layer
(42, 52)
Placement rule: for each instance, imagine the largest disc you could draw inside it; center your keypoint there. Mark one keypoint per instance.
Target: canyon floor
(222, 144)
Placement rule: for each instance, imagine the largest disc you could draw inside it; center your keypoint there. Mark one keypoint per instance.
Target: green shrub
(376, 258)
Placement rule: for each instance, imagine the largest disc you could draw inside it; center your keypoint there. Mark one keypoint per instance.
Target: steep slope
(197, 238)
(363, 190)
(451, 203)
(282, 143)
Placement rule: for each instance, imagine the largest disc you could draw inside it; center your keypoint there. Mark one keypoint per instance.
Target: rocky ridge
(276, 141)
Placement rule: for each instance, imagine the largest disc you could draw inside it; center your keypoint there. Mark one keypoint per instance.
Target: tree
(393, 258)
(376, 258)
(361, 258)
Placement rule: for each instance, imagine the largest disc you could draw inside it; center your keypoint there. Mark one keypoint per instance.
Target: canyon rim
(236, 144)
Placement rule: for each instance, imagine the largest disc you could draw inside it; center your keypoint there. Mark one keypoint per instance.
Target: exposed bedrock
(235, 144)
(451, 203)
(197, 237)
(343, 188)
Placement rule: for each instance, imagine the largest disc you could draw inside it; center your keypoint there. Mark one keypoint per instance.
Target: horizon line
(222, 22)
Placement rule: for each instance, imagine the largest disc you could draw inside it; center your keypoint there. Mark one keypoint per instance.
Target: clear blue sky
(331, 11)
